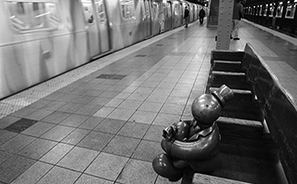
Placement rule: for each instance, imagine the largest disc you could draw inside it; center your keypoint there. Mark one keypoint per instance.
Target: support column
(224, 24)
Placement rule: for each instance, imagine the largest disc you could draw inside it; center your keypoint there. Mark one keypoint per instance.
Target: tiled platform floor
(89, 128)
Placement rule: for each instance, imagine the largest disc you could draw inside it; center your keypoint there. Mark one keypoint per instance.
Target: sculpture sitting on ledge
(193, 144)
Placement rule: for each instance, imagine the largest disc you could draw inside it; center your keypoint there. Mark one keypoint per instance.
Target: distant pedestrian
(187, 17)
(274, 17)
(237, 15)
(201, 15)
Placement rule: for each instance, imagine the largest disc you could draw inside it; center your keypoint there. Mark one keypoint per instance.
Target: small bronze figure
(193, 143)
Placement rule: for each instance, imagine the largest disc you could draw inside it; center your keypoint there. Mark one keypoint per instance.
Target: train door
(162, 17)
(103, 25)
(194, 11)
(147, 19)
(173, 14)
(155, 17)
(169, 14)
(93, 37)
(182, 11)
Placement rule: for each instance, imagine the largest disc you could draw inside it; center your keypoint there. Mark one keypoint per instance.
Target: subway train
(280, 15)
(40, 39)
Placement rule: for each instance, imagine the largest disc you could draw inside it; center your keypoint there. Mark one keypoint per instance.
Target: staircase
(212, 20)
(241, 118)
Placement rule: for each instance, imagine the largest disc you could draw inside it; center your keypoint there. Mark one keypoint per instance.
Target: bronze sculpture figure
(193, 143)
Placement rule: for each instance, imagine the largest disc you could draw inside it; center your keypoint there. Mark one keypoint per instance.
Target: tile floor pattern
(105, 126)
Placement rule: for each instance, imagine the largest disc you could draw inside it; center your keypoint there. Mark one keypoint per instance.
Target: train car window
(88, 11)
(265, 10)
(271, 9)
(165, 10)
(169, 10)
(291, 8)
(100, 11)
(33, 16)
(18, 18)
(147, 9)
(143, 10)
(155, 10)
(279, 10)
(176, 9)
(127, 9)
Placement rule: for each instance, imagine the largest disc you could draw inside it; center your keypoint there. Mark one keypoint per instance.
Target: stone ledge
(243, 122)
(207, 179)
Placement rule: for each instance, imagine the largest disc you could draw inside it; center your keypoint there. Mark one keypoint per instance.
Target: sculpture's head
(207, 108)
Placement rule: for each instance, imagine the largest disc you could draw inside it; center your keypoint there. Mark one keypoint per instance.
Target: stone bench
(277, 113)
(278, 108)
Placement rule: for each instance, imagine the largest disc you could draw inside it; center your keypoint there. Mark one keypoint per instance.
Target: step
(227, 76)
(243, 108)
(252, 115)
(216, 82)
(227, 55)
(239, 129)
(238, 93)
(234, 66)
(240, 122)
(227, 62)
(208, 179)
(235, 91)
(224, 73)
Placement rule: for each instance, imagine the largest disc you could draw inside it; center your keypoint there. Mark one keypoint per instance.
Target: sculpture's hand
(194, 128)
(168, 133)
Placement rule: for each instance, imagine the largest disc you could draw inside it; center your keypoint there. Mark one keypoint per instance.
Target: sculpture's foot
(174, 179)
(188, 176)
(163, 165)
(205, 166)
(181, 164)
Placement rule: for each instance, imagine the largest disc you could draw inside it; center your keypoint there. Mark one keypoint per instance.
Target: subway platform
(103, 122)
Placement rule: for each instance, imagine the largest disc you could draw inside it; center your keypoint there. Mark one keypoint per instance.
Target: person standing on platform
(237, 15)
(274, 17)
(186, 17)
(201, 15)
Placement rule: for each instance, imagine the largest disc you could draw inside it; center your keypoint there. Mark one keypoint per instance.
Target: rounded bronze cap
(224, 94)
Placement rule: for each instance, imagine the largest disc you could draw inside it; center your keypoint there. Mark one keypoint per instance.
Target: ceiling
(201, 2)
(247, 2)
